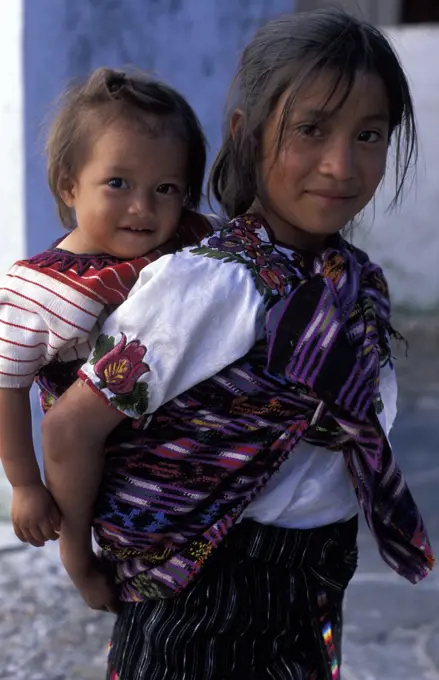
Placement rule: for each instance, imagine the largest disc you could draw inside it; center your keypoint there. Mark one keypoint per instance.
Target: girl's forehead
(328, 94)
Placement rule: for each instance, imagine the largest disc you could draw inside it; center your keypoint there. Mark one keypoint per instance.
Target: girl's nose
(338, 161)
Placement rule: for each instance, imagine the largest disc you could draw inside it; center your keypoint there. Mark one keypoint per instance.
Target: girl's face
(330, 163)
(128, 195)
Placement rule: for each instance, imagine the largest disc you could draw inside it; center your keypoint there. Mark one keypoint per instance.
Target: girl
(126, 158)
(251, 386)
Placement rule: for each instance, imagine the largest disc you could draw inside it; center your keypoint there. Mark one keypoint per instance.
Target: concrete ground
(391, 627)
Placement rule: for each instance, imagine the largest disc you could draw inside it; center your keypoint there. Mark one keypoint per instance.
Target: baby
(126, 160)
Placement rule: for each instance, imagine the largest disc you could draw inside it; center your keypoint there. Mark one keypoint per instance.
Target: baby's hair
(108, 95)
(287, 55)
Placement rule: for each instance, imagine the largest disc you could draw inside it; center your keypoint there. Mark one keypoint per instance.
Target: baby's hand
(91, 579)
(97, 590)
(35, 515)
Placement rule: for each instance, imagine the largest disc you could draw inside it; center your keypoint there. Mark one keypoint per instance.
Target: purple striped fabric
(172, 491)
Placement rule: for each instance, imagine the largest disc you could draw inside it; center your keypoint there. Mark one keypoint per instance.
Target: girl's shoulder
(245, 241)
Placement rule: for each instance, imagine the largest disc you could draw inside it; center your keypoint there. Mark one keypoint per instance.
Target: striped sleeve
(40, 315)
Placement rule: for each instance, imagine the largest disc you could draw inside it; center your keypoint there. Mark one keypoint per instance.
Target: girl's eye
(369, 136)
(167, 189)
(309, 130)
(117, 183)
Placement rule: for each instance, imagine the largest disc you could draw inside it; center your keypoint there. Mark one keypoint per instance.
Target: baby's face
(128, 195)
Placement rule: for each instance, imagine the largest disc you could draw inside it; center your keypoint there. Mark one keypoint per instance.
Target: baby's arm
(74, 433)
(34, 515)
(39, 316)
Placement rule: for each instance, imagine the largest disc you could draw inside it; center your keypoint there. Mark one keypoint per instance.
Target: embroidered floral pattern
(119, 367)
(333, 267)
(246, 241)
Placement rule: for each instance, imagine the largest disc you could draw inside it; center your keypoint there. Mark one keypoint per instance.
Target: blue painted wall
(193, 44)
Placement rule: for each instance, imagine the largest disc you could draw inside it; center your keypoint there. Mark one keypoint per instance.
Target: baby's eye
(167, 189)
(370, 136)
(118, 183)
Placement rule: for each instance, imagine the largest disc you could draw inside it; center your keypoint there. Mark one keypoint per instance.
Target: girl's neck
(287, 234)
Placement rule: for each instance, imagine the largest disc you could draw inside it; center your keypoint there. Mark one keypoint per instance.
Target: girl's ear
(236, 120)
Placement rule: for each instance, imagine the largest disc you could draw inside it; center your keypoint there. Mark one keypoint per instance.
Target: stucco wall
(195, 46)
(406, 241)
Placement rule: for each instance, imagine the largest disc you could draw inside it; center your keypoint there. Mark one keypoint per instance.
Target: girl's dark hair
(108, 95)
(287, 54)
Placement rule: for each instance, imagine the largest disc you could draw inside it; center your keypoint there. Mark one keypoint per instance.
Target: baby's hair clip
(115, 81)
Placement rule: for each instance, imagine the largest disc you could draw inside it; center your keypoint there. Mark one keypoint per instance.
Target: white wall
(406, 242)
(12, 199)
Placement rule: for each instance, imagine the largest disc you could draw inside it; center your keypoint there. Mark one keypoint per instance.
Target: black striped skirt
(268, 605)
